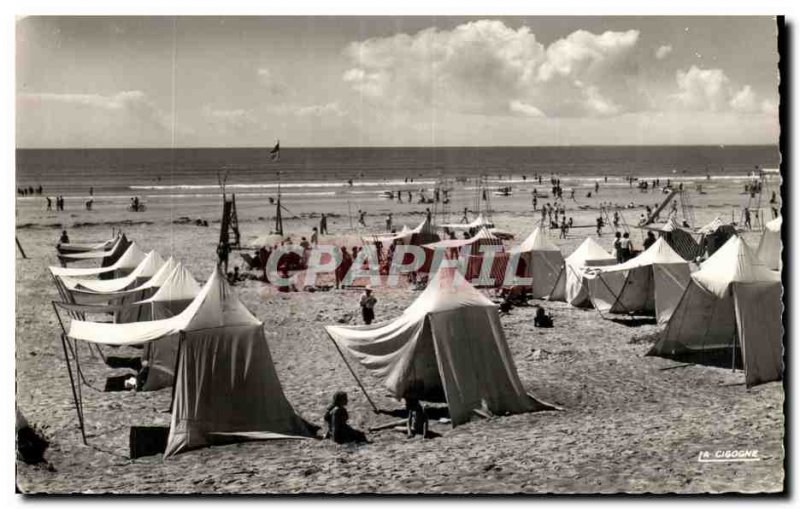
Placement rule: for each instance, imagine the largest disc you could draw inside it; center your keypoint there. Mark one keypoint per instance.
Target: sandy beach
(627, 423)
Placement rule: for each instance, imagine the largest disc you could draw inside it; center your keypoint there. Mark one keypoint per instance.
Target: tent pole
(555, 285)
(175, 370)
(74, 394)
(64, 332)
(374, 408)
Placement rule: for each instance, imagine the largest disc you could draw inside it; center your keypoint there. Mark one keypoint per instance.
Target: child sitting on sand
(336, 417)
(542, 319)
(417, 423)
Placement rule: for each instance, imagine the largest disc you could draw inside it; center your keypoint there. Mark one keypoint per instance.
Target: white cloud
(321, 110)
(525, 109)
(663, 51)
(233, 120)
(703, 89)
(271, 82)
(769, 108)
(599, 105)
(75, 119)
(712, 90)
(745, 100)
(486, 67)
(582, 53)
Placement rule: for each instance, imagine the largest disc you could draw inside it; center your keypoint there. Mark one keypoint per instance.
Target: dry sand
(627, 423)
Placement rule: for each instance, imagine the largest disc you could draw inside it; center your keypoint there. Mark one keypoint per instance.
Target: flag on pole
(275, 153)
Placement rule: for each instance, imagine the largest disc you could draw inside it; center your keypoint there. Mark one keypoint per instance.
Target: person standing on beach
(368, 302)
(599, 226)
(64, 239)
(596, 187)
(626, 247)
(49, 203)
(464, 218)
(649, 241)
(617, 247)
(361, 215)
(323, 224)
(314, 236)
(747, 218)
(773, 203)
(389, 222)
(222, 254)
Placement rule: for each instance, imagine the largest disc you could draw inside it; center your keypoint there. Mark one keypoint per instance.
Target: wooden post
(19, 246)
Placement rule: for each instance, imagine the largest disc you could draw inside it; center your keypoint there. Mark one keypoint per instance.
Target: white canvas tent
(733, 300)
(544, 263)
(131, 259)
(94, 290)
(226, 388)
(651, 282)
(73, 248)
(173, 297)
(478, 222)
(770, 246)
(423, 233)
(589, 254)
(448, 345)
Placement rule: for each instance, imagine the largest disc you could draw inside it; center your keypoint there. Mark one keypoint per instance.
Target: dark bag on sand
(543, 321)
(31, 445)
(148, 440)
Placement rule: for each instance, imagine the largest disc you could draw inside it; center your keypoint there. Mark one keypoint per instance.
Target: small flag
(275, 153)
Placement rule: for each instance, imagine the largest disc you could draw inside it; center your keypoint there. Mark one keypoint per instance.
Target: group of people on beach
(29, 191)
(59, 203)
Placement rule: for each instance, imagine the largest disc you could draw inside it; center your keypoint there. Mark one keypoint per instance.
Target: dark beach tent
(652, 282)
(76, 248)
(107, 257)
(542, 261)
(680, 239)
(733, 302)
(447, 346)
(125, 264)
(226, 388)
(770, 246)
(714, 235)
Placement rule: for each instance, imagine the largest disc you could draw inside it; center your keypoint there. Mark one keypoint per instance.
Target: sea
(324, 171)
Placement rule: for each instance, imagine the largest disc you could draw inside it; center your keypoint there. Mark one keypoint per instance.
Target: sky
(310, 81)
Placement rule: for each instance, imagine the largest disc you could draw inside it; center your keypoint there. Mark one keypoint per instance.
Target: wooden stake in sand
(374, 408)
(19, 246)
